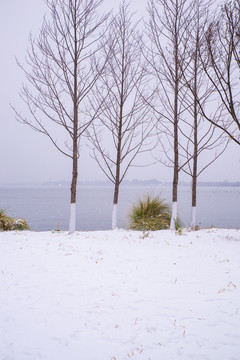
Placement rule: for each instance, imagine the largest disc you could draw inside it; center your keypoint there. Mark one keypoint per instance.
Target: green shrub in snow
(151, 213)
(8, 223)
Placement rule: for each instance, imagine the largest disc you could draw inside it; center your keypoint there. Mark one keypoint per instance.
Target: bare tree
(60, 74)
(222, 65)
(123, 121)
(201, 136)
(167, 28)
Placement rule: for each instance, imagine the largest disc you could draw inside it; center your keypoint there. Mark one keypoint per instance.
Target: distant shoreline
(135, 182)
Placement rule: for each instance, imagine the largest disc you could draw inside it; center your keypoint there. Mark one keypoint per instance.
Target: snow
(116, 295)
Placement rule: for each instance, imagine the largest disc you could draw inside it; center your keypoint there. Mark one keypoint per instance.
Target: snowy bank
(116, 295)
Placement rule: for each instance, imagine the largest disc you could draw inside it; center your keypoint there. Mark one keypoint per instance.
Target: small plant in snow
(145, 234)
(179, 231)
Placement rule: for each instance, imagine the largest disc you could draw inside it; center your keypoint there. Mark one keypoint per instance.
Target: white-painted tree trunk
(114, 216)
(72, 222)
(174, 216)
(193, 216)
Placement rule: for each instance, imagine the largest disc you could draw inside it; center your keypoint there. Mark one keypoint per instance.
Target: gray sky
(27, 156)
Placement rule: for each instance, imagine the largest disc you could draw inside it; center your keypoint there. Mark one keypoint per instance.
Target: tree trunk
(72, 222)
(194, 201)
(195, 152)
(115, 205)
(117, 182)
(119, 146)
(194, 175)
(176, 167)
(174, 200)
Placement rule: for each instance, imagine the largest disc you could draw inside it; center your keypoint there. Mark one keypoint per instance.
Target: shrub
(21, 224)
(151, 213)
(8, 223)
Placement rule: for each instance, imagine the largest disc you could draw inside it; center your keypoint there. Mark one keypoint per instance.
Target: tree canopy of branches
(201, 136)
(123, 121)
(167, 29)
(222, 66)
(60, 73)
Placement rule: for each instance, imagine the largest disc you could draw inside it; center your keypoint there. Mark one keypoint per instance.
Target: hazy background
(27, 156)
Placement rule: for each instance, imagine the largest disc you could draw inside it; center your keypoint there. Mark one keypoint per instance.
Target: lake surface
(47, 208)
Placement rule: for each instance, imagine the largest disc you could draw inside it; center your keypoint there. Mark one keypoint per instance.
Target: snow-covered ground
(117, 295)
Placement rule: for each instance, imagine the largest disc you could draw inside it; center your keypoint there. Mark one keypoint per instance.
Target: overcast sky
(27, 156)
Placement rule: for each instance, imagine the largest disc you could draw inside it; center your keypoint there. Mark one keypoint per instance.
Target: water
(47, 208)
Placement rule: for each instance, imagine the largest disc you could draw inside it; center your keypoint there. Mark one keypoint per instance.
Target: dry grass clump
(150, 213)
(8, 223)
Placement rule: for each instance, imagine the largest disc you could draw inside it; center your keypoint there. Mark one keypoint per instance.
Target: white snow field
(120, 295)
